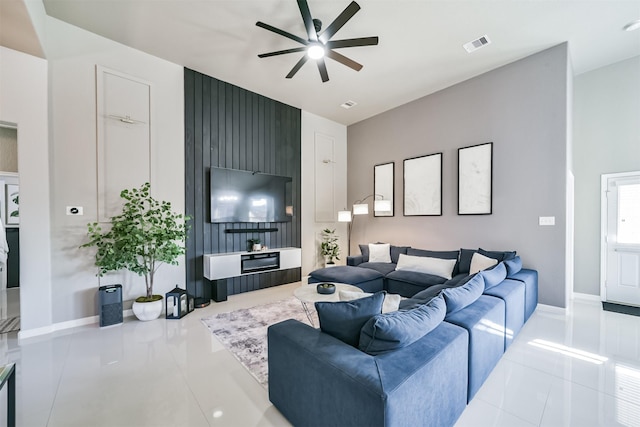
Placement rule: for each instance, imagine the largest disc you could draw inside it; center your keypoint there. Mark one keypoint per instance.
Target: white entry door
(620, 269)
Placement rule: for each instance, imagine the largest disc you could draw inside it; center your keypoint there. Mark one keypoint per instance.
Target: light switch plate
(547, 220)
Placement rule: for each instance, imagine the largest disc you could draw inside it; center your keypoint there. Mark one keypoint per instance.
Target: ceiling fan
(318, 43)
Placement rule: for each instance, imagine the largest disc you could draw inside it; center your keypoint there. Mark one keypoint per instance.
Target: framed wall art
(475, 179)
(383, 177)
(423, 185)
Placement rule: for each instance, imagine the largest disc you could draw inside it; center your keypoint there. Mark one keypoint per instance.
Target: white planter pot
(148, 310)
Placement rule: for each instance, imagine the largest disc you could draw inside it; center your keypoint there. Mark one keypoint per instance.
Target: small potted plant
(254, 244)
(329, 247)
(144, 236)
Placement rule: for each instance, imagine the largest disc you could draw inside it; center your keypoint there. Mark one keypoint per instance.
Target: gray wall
(606, 134)
(522, 109)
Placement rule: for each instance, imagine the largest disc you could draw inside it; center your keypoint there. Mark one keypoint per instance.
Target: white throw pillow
(480, 262)
(379, 252)
(391, 301)
(428, 265)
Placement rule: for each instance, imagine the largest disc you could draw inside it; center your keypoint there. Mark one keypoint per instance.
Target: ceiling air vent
(476, 44)
(349, 104)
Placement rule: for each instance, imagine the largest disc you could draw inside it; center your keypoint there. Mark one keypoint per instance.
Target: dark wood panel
(227, 126)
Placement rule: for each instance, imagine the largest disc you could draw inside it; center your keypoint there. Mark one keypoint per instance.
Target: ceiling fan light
(315, 51)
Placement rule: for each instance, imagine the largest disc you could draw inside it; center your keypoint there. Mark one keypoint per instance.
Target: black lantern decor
(176, 303)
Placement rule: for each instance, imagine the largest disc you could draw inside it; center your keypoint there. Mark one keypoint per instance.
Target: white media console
(234, 264)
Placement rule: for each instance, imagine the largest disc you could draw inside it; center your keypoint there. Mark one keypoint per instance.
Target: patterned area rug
(9, 325)
(244, 332)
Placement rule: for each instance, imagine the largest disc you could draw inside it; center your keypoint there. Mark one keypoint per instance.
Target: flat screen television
(244, 196)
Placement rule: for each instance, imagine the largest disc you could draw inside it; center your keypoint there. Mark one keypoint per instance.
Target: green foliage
(146, 234)
(329, 247)
(15, 198)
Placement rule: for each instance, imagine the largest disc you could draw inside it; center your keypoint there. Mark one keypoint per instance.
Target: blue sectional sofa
(420, 365)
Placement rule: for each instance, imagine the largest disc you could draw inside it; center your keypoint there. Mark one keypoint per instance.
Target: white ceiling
(420, 49)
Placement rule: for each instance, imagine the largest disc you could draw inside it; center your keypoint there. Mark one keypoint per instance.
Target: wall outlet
(547, 220)
(75, 210)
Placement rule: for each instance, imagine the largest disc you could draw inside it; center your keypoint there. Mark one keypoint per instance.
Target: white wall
(606, 135)
(72, 54)
(313, 125)
(23, 101)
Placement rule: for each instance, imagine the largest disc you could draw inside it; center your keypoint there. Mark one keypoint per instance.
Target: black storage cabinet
(110, 304)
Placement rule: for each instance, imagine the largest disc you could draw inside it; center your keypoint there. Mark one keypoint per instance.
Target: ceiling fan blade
(308, 21)
(322, 67)
(339, 22)
(296, 67)
(362, 41)
(344, 60)
(282, 33)
(282, 52)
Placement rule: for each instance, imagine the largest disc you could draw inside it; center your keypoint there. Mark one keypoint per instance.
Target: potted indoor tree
(144, 236)
(329, 247)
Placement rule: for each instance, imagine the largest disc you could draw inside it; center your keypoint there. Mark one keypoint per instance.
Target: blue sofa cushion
(422, 297)
(465, 260)
(396, 251)
(433, 254)
(514, 265)
(461, 296)
(383, 268)
(499, 255)
(421, 279)
(344, 319)
(345, 274)
(494, 276)
(457, 280)
(391, 331)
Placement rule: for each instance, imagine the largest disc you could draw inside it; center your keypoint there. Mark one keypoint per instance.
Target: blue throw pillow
(459, 297)
(364, 250)
(344, 319)
(494, 276)
(465, 260)
(499, 255)
(396, 251)
(391, 331)
(514, 265)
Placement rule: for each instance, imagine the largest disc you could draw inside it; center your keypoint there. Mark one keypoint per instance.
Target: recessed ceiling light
(633, 25)
(349, 104)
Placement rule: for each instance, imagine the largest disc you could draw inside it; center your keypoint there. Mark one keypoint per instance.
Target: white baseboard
(551, 309)
(30, 333)
(585, 297)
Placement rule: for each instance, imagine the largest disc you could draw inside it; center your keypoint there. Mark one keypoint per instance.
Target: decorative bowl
(326, 288)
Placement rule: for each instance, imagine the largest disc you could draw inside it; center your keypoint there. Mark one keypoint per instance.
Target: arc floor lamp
(361, 208)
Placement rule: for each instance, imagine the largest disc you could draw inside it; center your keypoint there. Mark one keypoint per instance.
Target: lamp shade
(344, 216)
(361, 209)
(382, 205)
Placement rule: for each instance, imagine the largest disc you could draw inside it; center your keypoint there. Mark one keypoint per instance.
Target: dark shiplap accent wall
(227, 126)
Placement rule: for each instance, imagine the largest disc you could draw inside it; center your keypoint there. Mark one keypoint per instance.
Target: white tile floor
(174, 373)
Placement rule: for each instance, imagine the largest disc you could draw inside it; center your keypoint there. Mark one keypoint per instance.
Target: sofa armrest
(316, 379)
(354, 260)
